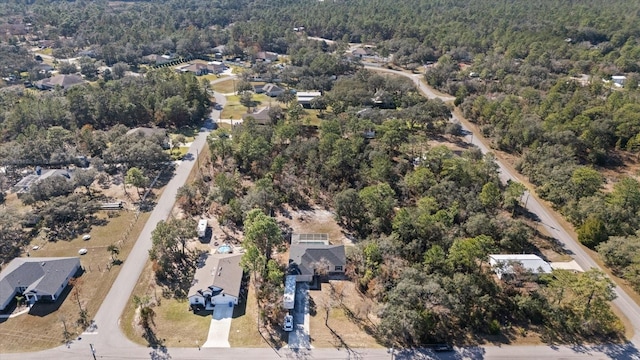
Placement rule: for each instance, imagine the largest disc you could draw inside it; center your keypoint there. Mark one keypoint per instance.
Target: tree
(246, 99)
(513, 195)
(114, 250)
(378, 201)
(350, 209)
(136, 178)
(262, 231)
(84, 178)
(585, 181)
(490, 195)
(592, 232)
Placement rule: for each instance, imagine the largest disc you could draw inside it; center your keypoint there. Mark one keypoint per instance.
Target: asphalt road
(537, 207)
(110, 343)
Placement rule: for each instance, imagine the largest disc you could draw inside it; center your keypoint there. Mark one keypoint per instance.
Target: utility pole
(93, 351)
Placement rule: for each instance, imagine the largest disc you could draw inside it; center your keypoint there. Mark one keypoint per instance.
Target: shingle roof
(40, 275)
(305, 255)
(219, 270)
(64, 81)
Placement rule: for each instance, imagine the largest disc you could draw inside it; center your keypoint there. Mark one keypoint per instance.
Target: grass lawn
(224, 87)
(244, 326)
(189, 133)
(342, 329)
(234, 110)
(43, 328)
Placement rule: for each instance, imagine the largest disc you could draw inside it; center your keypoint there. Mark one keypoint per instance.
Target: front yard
(44, 328)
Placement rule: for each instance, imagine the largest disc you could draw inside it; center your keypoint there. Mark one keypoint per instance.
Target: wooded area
(536, 77)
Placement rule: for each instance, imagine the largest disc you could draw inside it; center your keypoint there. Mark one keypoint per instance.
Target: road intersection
(108, 341)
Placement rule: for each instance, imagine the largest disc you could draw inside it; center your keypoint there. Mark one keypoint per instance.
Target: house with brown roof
(266, 56)
(217, 281)
(63, 81)
(37, 279)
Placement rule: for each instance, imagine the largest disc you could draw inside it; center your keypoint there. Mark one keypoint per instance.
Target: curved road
(624, 302)
(109, 342)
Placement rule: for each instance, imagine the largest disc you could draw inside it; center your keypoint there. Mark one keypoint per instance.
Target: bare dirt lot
(341, 317)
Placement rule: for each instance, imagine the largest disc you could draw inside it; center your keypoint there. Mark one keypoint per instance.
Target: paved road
(110, 343)
(537, 207)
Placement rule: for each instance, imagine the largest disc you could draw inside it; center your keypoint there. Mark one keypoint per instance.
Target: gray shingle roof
(43, 276)
(305, 255)
(219, 270)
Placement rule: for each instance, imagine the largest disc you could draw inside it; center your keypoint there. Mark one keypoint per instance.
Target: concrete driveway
(220, 326)
(299, 337)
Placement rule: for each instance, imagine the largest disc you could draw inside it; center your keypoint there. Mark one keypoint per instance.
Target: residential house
(306, 97)
(312, 258)
(216, 67)
(63, 81)
(217, 281)
(155, 59)
(198, 69)
(158, 133)
(273, 90)
(266, 56)
(37, 279)
(38, 175)
(261, 116)
(506, 266)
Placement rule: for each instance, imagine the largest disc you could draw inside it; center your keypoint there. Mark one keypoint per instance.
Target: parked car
(442, 347)
(82, 251)
(86, 237)
(288, 323)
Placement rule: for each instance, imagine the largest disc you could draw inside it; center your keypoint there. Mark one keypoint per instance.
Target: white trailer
(202, 228)
(289, 299)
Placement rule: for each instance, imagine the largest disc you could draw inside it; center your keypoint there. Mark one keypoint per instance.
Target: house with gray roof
(37, 279)
(310, 260)
(217, 281)
(38, 175)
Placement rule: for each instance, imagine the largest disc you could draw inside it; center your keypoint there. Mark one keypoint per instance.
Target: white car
(82, 251)
(86, 237)
(35, 247)
(288, 323)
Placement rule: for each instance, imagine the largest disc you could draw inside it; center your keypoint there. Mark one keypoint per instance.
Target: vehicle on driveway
(288, 323)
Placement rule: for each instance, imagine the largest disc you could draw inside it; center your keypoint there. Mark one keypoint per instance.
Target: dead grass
(346, 324)
(244, 325)
(224, 87)
(33, 332)
(314, 221)
(234, 110)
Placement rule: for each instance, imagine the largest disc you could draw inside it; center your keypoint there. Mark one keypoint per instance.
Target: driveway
(220, 326)
(299, 337)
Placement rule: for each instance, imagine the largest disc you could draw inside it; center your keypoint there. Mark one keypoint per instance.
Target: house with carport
(313, 259)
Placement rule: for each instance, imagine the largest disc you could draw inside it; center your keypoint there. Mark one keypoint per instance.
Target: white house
(305, 97)
(217, 281)
(504, 265)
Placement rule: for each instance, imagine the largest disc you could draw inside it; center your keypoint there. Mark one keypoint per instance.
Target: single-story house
(261, 116)
(155, 59)
(37, 279)
(266, 56)
(216, 67)
(310, 260)
(217, 281)
(151, 132)
(272, 90)
(63, 81)
(198, 69)
(305, 97)
(38, 175)
(505, 265)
